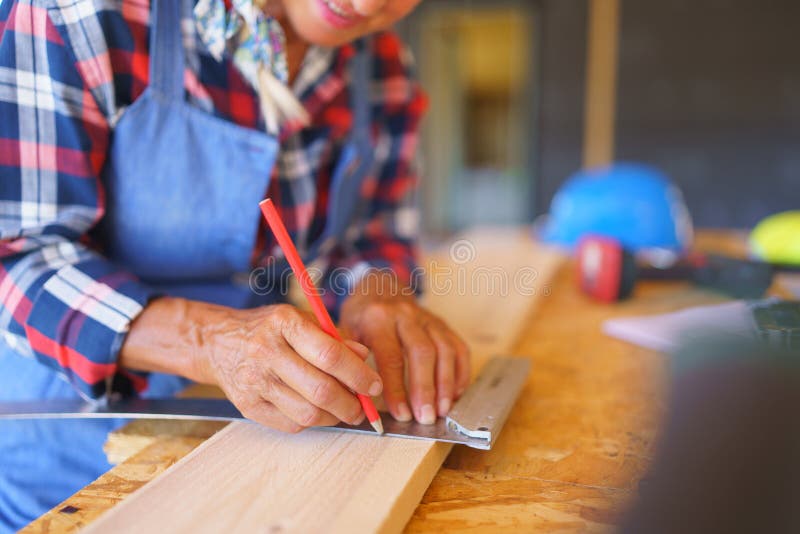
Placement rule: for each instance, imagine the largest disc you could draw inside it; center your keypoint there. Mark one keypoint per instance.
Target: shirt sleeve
(385, 235)
(61, 302)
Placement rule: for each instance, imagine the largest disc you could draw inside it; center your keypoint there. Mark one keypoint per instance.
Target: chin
(307, 21)
(304, 17)
(320, 34)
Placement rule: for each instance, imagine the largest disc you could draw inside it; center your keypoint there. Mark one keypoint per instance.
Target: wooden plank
(601, 82)
(586, 425)
(247, 477)
(488, 284)
(107, 491)
(574, 449)
(137, 435)
(480, 502)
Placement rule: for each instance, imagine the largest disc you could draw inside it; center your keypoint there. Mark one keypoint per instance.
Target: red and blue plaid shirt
(68, 70)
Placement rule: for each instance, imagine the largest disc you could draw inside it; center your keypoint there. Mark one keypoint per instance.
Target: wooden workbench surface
(570, 457)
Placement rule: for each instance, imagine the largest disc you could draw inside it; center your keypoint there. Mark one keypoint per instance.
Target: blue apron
(182, 213)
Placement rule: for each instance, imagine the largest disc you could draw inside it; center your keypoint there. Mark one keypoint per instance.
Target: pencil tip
(377, 425)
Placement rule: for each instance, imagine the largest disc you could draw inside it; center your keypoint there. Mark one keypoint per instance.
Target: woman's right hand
(274, 363)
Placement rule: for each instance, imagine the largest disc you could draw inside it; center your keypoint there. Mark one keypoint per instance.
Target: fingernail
(444, 407)
(403, 413)
(426, 415)
(375, 389)
(358, 420)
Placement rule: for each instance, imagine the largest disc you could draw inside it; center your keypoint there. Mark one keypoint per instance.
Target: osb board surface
(573, 450)
(466, 308)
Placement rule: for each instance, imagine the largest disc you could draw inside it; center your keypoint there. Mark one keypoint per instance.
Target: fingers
(331, 356)
(317, 388)
(283, 371)
(438, 362)
(358, 348)
(462, 368)
(296, 408)
(421, 353)
(445, 369)
(389, 358)
(266, 414)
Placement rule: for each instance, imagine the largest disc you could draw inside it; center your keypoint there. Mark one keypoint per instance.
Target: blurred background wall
(707, 90)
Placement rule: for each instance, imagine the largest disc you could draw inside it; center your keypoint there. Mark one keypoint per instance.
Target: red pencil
(324, 318)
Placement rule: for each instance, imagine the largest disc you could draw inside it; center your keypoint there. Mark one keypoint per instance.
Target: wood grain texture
(601, 82)
(251, 478)
(586, 425)
(488, 284)
(111, 488)
(580, 438)
(136, 435)
(478, 502)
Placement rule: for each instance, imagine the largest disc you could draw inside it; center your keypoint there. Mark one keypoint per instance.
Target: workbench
(570, 457)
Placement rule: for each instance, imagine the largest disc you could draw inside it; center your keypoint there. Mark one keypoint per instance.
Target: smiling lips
(337, 14)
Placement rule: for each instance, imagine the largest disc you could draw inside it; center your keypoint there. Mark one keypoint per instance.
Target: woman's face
(336, 22)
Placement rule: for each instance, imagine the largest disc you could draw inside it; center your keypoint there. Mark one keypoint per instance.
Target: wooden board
(251, 478)
(573, 451)
(461, 501)
(137, 435)
(111, 488)
(601, 82)
(585, 428)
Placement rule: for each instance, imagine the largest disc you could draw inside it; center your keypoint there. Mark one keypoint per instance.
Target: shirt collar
(322, 77)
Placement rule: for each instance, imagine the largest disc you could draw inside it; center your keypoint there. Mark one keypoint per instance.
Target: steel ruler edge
(475, 420)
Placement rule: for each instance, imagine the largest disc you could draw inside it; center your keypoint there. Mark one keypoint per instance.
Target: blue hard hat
(636, 204)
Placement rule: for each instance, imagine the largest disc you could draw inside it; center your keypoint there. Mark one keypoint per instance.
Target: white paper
(666, 332)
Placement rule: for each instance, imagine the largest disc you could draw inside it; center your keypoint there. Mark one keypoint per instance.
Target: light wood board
(601, 82)
(573, 451)
(248, 478)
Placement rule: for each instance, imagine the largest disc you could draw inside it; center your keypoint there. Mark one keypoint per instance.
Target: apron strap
(361, 97)
(166, 48)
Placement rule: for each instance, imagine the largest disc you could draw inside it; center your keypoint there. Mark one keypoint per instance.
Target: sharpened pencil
(282, 235)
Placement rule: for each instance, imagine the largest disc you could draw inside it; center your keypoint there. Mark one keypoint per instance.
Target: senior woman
(136, 140)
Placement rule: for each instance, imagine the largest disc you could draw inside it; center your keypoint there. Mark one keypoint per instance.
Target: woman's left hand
(397, 330)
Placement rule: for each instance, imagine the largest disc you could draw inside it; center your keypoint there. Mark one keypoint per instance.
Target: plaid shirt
(68, 70)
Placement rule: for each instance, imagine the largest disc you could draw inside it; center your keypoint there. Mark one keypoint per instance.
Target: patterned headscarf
(258, 46)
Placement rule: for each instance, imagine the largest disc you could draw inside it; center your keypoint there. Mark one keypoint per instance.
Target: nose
(367, 8)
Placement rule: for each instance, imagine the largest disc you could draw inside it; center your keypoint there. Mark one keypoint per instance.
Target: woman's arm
(82, 315)
(61, 302)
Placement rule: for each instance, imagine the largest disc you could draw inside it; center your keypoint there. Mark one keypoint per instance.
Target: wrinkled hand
(401, 332)
(282, 370)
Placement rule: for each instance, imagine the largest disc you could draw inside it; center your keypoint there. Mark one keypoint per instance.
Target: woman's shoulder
(394, 75)
(393, 55)
(102, 22)
(105, 41)
(103, 26)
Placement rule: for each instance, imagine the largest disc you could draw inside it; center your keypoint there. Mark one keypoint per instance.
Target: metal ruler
(778, 322)
(475, 420)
